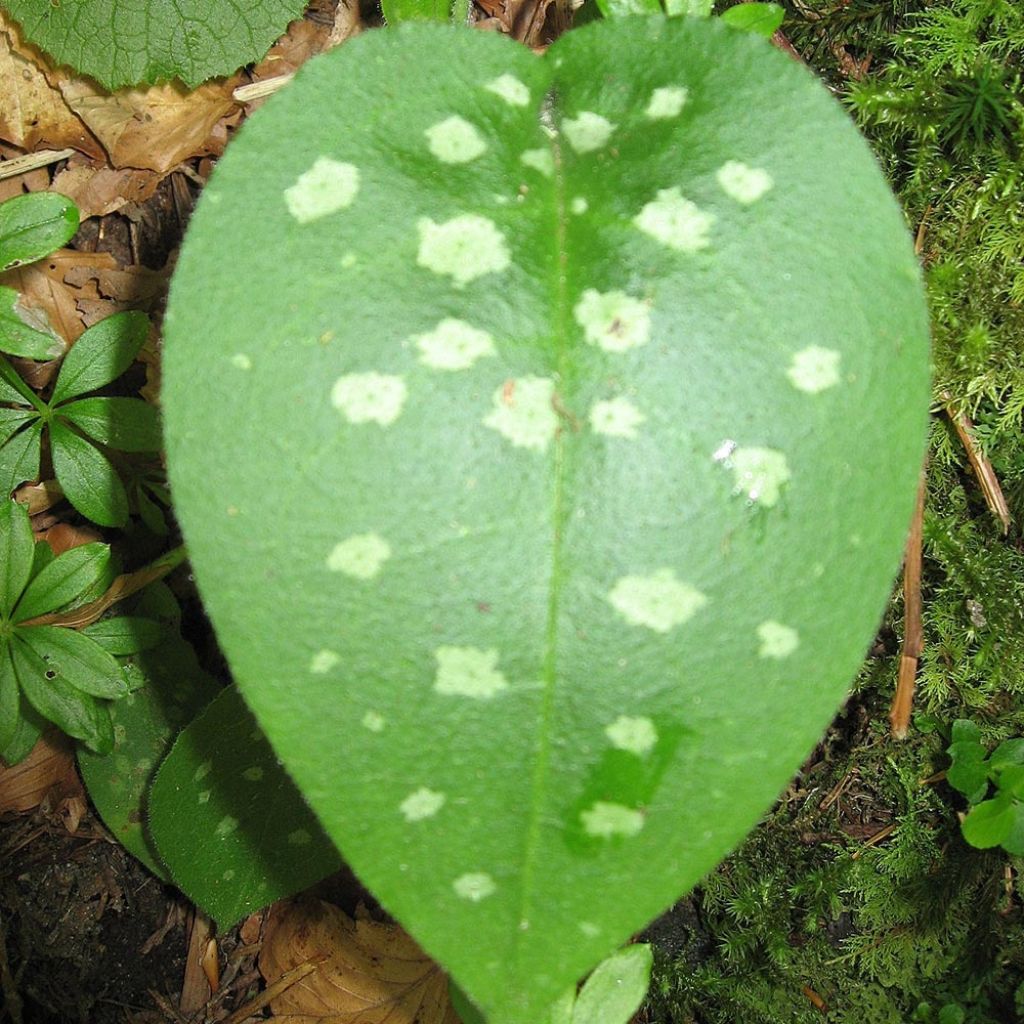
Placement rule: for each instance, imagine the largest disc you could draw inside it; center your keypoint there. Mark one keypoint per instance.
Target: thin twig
(285, 982)
(257, 90)
(881, 834)
(32, 162)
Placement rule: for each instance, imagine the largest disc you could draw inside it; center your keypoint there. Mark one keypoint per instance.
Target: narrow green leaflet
(168, 691)
(66, 579)
(16, 551)
(615, 990)
(127, 424)
(18, 739)
(25, 332)
(763, 19)
(34, 225)
(78, 660)
(125, 634)
(228, 823)
(580, 415)
(19, 458)
(89, 480)
(130, 42)
(101, 355)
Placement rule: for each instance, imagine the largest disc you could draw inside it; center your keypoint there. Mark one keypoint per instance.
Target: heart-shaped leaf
(565, 415)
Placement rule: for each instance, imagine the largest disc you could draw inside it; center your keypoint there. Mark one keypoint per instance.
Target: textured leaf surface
(101, 354)
(32, 226)
(544, 568)
(126, 42)
(228, 823)
(25, 332)
(16, 550)
(64, 579)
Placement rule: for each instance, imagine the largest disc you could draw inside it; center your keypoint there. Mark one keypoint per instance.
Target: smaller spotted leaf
(228, 823)
(544, 569)
(34, 225)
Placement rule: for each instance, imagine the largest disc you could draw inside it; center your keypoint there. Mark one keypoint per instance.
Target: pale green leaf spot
(323, 661)
(814, 369)
(659, 601)
(613, 320)
(253, 774)
(204, 796)
(777, 640)
(541, 160)
(349, 260)
(369, 397)
(759, 473)
(468, 672)
(466, 247)
(226, 826)
(588, 131)
(608, 820)
(589, 929)
(744, 184)
(327, 187)
(474, 886)
(578, 205)
(373, 721)
(202, 771)
(454, 345)
(666, 102)
(524, 412)
(455, 141)
(510, 89)
(637, 735)
(675, 221)
(241, 361)
(228, 875)
(360, 556)
(616, 417)
(424, 803)
(300, 837)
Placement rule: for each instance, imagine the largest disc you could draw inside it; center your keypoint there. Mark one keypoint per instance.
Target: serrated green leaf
(125, 634)
(168, 690)
(88, 479)
(127, 424)
(19, 458)
(77, 660)
(991, 822)
(64, 580)
(615, 990)
(229, 824)
(10, 696)
(13, 389)
(13, 420)
(397, 11)
(129, 42)
(34, 225)
(78, 714)
(598, 492)
(101, 355)
(27, 730)
(25, 331)
(761, 19)
(16, 551)
(1008, 752)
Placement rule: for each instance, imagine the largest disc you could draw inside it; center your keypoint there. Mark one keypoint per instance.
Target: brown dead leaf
(154, 129)
(33, 113)
(50, 764)
(63, 537)
(106, 288)
(37, 180)
(371, 972)
(97, 191)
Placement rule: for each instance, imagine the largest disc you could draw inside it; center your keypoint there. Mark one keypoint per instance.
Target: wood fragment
(986, 475)
(258, 90)
(913, 630)
(922, 229)
(195, 987)
(878, 837)
(211, 965)
(33, 161)
(837, 790)
(815, 1000)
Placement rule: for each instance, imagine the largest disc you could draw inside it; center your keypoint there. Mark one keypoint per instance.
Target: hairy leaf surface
(563, 459)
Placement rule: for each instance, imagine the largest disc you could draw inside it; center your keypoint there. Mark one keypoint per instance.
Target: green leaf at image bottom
(229, 825)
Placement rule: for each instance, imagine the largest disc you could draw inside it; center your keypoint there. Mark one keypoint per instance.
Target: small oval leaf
(34, 225)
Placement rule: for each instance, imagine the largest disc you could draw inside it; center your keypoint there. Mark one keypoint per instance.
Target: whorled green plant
(564, 458)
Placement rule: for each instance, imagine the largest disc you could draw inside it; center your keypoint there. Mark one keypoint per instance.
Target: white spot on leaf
(241, 361)
(369, 397)
(637, 735)
(744, 184)
(666, 102)
(578, 205)
(475, 886)
(465, 247)
(523, 412)
(675, 222)
(616, 417)
(613, 320)
(659, 601)
(300, 837)
(540, 160)
(373, 721)
(323, 661)
(468, 672)
(588, 131)
(202, 771)
(455, 141)
(777, 640)
(607, 820)
(814, 369)
(360, 556)
(204, 796)
(226, 826)
(253, 774)
(327, 187)
(759, 473)
(453, 345)
(510, 89)
(424, 803)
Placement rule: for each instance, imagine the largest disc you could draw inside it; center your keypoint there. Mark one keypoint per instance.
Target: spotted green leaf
(229, 825)
(33, 225)
(582, 413)
(168, 691)
(129, 42)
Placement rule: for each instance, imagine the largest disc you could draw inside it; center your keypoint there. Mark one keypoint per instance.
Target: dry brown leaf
(33, 113)
(371, 973)
(97, 191)
(107, 288)
(50, 764)
(63, 537)
(155, 128)
(29, 181)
